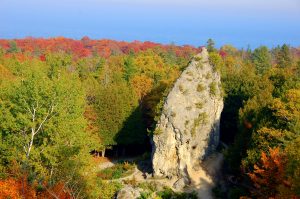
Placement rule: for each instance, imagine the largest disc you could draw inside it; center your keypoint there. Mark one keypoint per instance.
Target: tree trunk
(103, 153)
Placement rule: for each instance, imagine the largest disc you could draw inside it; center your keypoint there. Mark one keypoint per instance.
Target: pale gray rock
(188, 129)
(128, 192)
(181, 183)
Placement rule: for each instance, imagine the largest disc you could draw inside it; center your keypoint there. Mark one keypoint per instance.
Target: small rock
(181, 183)
(128, 192)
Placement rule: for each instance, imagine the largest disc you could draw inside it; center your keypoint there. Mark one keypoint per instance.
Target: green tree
(58, 62)
(261, 59)
(293, 165)
(283, 56)
(119, 116)
(129, 68)
(43, 129)
(13, 48)
(210, 45)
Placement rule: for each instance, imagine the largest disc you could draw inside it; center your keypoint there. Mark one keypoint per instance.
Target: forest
(64, 103)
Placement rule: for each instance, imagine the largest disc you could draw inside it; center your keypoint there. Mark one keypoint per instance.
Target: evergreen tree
(129, 68)
(261, 59)
(284, 58)
(13, 48)
(210, 45)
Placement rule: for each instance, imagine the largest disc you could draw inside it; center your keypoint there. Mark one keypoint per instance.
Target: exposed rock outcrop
(188, 128)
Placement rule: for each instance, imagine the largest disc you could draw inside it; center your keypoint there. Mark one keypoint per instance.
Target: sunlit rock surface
(188, 129)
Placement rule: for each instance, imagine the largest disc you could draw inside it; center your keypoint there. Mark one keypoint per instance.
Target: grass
(168, 193)
(200, 87)
(117, 171)
(188, 108)
(199, 105)
(173, 114)
(185, 92)
(157, 131)
(213, 88)
(133, 182)
(180, 87)
(189, 73)
(200, 65)
(208, 75)
(182, 90)
(150, 190)
(197, 58)
(201, 119)
(186, 123)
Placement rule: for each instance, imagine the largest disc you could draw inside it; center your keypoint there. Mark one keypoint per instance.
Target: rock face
(188, 128)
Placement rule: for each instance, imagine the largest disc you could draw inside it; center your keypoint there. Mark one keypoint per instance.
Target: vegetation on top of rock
(200, 87)
(213, 88)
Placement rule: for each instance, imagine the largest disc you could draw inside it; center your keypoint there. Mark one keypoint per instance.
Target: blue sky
(237, 22)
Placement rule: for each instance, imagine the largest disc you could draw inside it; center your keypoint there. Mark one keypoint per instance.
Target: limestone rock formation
(188, 128)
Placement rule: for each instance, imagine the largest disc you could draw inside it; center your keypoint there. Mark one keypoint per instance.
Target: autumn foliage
(107, 95)
(16, 189)
(86, 47)
(20, 189)
(269, 176)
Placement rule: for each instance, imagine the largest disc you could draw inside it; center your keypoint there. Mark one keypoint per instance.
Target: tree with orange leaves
(16, 189)
(141, 85)
(269, 176)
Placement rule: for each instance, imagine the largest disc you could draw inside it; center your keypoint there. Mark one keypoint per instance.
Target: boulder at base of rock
(181, 183)
(128, 192)
(188, 129)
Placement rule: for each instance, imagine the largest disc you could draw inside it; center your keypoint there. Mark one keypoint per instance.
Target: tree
(210, 45)
(13, 48)
(283, 56)
(293, 165)
(129, 68)
(12, 188)
(229, 49)
(261, 58)
(151, 65)
(114, 104)
(269, 174)
(142, 85)
(5, 74)
(58, 62)
(43, 128)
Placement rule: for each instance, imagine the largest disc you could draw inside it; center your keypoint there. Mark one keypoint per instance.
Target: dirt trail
(202, 180)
